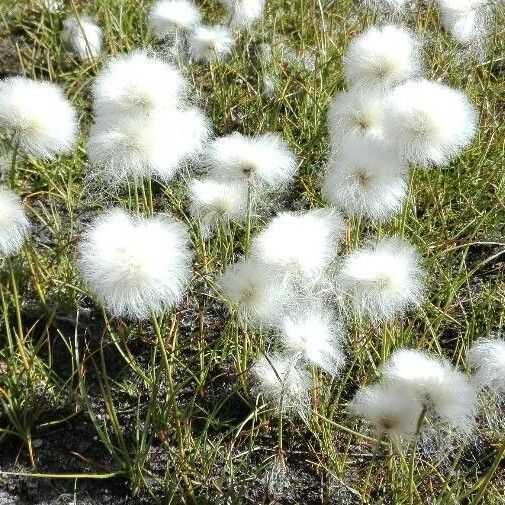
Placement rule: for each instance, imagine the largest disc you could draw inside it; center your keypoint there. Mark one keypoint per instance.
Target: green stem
(489, 475)
(413, 455)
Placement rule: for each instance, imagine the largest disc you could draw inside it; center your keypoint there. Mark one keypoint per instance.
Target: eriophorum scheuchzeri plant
(272, 301)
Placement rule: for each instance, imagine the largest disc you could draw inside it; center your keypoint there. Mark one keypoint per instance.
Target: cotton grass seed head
(366, 181)
(208, 43)
(264, 161)
(383, 280)
(212, 201)
(388, 409)
(428, 122)
(137, 83)
(300, 244)
(244, 13)
(129, 148)
(39, 117)
(255, 291)
(465, 20)
(355, 114)
(487, 358)
(443, 390)
(14, 225)
(170, 18)
(135, 266)
(83, 36)
(283, 384)
(382, 57)
(315, 336)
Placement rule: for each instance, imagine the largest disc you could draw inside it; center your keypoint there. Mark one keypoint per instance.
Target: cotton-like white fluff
(389, 408)
(169, 18)
(210, 42)
(428, 122)
(355, 114)
(366, 181)
(14, 225)
(443, 390)
(382, 57)
(383, 280)
(263, 160)
(301, 244)
(255, 291)
(39, 117)
(137, 83)
(51, 6)
(315, 335)
(83, 36)
(244, 13)
(283, 384)
(135, 266)
(487, 358)
(212, 201)
(463, 19)
(133, 147)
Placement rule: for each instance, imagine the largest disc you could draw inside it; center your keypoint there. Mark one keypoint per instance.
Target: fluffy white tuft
(465, 20)
(315, 335)
(487, 358)
(137, 83)
(264, 160)
(355, 114)
(244, 13)
(212, 201)
(210, 42)
(83, 36)
(168, 18)
(444, 391)
(383, 280)
(428, 122)
(366, 181)
(301, 244)
(389, 409)
(135, 266)
(51, 6)
(282, 383)
(382, 57)
(133, 147)
(255, 291)
(39, 116)
(14, 225)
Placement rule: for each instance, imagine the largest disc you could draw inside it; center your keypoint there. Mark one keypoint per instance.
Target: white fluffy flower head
(487, 358)
(263, 160)
(315, 336)
(244, 13)
(355, 114)
(465, 20)
(428, 123)
(14, 225)
(382, 57)
(443, 390)
(210, 42)
(212, 201)
(383, 280)
(137, 83)
(168, 18)
(283, 384)
(131, 148)
(39, 116)
(389, 409)
(366, 181)
(301, 244)
(83, 36)
(135, 266)
(257, 293)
